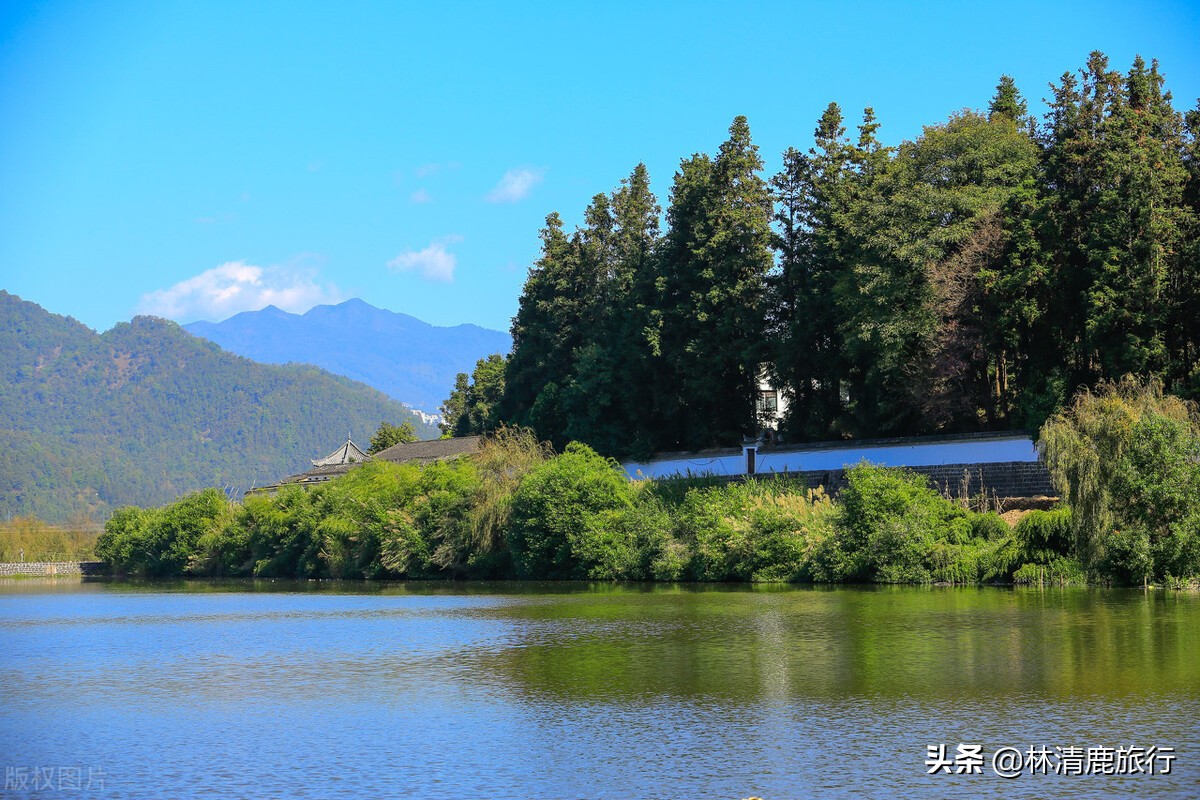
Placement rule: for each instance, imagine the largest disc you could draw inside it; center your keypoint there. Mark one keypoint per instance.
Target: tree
(925, 246)
(1125, 457)
(580, 333)
(615, 353)
(474, 405)
(453, 406)
(712, 278)
(1008, 102)
(387, 435)
(813, 192)
(546, 333)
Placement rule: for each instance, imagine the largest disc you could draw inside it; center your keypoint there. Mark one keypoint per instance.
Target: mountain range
(145, 412)
(409, 360)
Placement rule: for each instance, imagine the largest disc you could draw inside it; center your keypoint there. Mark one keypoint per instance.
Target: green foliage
(582, 330)
(990, 527)
(557, 527)
(387, 435)
(1043, 536)
(1008, 102)
(473, 405)
(517, 510)
(753, 531)
(1127, 458)
(710, 279)
(891, 518)
(967, 279)
(163, 541)
(503, 461)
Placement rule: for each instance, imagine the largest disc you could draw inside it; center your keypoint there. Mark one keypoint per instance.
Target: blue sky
(198, 159)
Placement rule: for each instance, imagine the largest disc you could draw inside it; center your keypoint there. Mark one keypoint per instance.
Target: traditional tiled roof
(407, 453)
(431, 450)
(349, 453)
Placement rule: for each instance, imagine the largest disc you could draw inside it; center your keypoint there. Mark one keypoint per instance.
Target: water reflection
(752, 646)
(567, 690)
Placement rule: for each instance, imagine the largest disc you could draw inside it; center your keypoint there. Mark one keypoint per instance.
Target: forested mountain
(145, 412)
(401, 356)
(969, 279)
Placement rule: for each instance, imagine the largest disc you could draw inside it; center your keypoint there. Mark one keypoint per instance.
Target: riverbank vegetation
(518, 510)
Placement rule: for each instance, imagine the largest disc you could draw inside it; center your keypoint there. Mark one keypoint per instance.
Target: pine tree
(1007, 102)
(1134, 244)
(814, 191)
(716, 257)
(545, 334)
(613, 357)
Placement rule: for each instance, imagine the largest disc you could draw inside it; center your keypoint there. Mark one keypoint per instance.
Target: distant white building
(770, 404)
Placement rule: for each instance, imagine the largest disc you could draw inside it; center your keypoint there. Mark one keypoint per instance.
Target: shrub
(990, 526)
(503, 461)
(648, 525)
(554, 531)
(279, 534)
(1043, 536)
(889, 522)
(163, 541)
(122, 544)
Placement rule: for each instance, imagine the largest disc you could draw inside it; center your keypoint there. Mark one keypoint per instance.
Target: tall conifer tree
(713, 273)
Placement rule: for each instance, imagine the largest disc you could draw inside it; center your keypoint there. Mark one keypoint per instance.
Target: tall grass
(504, 459)
(30, 539)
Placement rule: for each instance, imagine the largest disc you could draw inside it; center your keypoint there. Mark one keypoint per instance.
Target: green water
(563, 690)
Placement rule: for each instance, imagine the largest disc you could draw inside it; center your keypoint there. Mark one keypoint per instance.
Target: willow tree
(1125, 457)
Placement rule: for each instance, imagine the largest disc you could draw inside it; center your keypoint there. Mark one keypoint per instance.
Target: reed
(30, 539)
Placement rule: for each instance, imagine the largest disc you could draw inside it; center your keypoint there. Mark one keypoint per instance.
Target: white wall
(734, 464)
(799, 459)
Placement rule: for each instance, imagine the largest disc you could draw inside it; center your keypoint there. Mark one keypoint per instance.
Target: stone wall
(51, 568)
(1004, 479)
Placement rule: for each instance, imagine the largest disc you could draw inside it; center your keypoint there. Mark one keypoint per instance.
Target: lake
(277, 689)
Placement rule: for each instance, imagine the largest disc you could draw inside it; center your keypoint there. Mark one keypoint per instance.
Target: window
(768, 401)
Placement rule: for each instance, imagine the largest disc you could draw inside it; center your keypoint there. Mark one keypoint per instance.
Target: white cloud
(435, 262)
(433, 168)
(237, 286)
(420, 196)
(515, 185)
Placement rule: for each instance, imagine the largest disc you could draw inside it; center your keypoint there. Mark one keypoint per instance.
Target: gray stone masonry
(51, 568)
(1002, 479)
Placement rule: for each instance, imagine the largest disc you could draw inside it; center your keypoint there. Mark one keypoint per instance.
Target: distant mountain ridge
(408, 359)
(145, 412)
